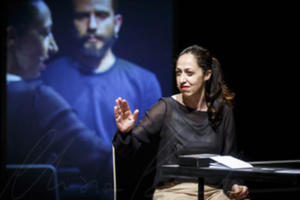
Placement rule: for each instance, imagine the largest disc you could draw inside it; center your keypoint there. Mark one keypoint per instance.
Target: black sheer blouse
(178, 130)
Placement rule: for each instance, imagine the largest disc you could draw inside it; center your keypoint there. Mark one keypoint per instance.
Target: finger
(118, 102)
(245, 192)
(235, 188)
(116, 112)
(121, 108)
(236, 191)
(118, 106)
(117, 116)
(124, 106)
(135, 115)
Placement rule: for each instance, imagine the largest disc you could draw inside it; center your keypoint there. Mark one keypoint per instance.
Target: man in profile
(90, 77)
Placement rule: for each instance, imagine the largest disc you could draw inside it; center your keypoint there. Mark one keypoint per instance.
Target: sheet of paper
(203, 155)
(288, 171)
(216, 165)
(231, 162)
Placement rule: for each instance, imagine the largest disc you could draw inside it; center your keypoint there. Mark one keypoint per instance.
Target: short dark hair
(21, 14)
(115, 5)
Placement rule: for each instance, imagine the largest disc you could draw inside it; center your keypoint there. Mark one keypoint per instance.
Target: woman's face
(190, 76)
(34, 46)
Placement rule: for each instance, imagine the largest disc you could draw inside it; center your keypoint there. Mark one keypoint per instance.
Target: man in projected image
(90, 77)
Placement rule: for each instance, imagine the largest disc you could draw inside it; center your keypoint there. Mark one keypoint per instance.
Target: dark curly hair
(217, 93)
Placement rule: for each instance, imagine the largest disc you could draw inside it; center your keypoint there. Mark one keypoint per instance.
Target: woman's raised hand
(125, 119)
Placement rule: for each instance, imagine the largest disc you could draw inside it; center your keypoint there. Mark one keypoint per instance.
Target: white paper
(203, 155)
(288, 171)
(231, 162)
(216, 165)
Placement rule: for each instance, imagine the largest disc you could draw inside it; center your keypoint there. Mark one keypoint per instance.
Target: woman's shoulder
(227, 108)
(167, 101)
(228, 112)
(166, 104)
(162, 104)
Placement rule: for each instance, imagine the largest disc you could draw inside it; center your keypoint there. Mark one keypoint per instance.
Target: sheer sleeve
(152, 93)
(230, 146)
(148, 129)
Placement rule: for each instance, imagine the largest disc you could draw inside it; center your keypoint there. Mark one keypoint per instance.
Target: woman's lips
(184, 88)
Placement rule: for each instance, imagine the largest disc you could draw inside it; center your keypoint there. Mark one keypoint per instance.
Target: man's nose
(53, 48)
(92, 22)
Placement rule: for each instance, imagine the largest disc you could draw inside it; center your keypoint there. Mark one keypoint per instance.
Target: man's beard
(94, 53)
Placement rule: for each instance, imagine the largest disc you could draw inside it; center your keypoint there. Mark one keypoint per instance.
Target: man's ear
(207, 75)
(118, 19)
(11, 35)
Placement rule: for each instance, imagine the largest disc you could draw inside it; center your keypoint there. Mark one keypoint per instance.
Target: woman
(197, 120)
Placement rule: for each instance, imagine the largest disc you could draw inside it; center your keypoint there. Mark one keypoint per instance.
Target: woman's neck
(196, 102)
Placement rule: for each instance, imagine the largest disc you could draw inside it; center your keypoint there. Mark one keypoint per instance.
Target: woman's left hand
(238, 192)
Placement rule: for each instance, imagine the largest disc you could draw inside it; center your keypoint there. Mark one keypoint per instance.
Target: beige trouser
(188, 191)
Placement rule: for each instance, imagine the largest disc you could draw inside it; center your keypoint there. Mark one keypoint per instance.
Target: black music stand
(283, 176)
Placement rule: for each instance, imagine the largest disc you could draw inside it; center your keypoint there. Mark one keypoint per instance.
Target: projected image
(68, 62)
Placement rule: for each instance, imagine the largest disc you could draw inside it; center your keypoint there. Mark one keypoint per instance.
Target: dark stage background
(257, 45)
